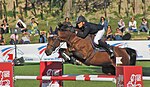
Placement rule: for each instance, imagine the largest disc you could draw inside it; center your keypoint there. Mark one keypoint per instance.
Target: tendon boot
(107, 48)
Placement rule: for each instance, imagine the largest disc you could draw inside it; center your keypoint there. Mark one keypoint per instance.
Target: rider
(90, 28)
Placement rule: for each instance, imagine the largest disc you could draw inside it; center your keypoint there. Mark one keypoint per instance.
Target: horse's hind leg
(109, 69)
(132, 54)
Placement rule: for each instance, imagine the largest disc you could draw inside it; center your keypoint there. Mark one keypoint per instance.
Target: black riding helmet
(81, 19)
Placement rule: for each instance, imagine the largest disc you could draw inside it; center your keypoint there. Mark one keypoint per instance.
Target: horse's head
(53, 43)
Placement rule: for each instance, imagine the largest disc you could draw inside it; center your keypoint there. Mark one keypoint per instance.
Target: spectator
(133, 25)
(42, 37)
(67, 22)
(144, 25)
(109, 34)
(121, 25)
(21, 25)
(14, 39)
(34, 27)
(103, 22)
(118, 34)
(2, 40)
(25, 39)
(4, 27)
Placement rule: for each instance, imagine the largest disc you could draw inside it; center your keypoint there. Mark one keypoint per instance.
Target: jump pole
(123, 73)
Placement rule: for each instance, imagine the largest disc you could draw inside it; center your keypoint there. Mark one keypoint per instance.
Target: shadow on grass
(146, 71)
(28, 64)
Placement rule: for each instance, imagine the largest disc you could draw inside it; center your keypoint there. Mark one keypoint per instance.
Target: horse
(83, 50)
(64, 52)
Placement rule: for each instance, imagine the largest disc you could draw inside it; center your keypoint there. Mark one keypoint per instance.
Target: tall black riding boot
(107, 48)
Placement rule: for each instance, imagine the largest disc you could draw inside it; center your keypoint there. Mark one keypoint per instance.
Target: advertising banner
(30, 52)
(129, 76)
(51, 68)
(36, 52)
(6, 74)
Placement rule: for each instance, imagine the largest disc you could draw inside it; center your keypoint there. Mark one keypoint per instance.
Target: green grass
(33, 69)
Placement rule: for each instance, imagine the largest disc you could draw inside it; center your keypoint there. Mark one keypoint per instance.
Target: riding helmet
(81, 19)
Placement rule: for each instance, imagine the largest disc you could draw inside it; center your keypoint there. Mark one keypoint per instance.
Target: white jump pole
(69, 78)
(146, 78)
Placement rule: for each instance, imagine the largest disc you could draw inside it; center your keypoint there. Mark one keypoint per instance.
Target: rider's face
(80, 24)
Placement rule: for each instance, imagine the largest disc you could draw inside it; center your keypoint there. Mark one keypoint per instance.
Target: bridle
(53, 45)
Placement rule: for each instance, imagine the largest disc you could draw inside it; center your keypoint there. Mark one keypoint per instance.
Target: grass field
(33, 69)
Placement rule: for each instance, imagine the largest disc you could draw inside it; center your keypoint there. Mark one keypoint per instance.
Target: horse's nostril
(48, 52)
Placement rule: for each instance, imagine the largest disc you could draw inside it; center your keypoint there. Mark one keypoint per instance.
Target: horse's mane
(67, 32)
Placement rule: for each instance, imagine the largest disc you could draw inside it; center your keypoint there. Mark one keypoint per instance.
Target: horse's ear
(51, 30)
(56, 31)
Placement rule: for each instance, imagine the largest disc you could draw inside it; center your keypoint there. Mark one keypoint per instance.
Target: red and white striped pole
(70, 78)
(63, 78)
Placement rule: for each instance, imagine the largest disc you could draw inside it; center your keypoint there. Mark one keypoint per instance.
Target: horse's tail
(132, 53)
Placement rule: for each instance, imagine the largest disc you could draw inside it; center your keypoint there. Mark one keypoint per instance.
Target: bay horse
(83, 50)
(53, 43)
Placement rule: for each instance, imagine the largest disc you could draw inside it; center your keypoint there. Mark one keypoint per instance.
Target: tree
(25, 9)
(1, 11)
(144, 11)
(105, 7)
(68, 7)
(14, 9)
(21, 13)
(50, 6)
(41, 11)
(119, 6)
(5, 10)
(86, 4)
(33, 6)
(16, 3)
(127, 9)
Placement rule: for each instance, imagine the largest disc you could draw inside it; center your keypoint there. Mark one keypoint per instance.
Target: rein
(53, 45)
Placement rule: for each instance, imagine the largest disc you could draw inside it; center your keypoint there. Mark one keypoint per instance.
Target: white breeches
(99, 36)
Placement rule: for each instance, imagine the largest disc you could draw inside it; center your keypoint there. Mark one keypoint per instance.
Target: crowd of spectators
(20, 34)
(25, 33)
(122, 28)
